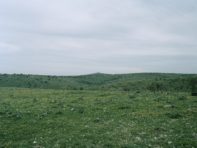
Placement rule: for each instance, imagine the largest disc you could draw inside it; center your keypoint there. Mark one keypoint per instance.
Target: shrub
(174, 115)
(156, 86)
(182, 98)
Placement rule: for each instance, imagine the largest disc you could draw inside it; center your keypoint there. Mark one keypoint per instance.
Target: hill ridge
(132, 81)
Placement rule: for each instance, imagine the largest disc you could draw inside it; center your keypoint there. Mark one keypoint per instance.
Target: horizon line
(101, 73)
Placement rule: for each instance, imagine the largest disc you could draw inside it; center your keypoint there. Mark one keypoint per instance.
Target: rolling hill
(100, 81)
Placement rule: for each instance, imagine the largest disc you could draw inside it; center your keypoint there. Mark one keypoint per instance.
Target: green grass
(96, 118)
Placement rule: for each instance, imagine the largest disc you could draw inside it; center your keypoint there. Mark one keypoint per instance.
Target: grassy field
(96, 118)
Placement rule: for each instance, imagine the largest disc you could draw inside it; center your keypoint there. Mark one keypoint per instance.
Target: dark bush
(193, 83)
(194, 93)
(156, 86)
(182, 98)
(174, 115)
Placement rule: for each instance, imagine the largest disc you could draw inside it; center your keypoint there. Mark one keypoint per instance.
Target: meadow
(142, 110)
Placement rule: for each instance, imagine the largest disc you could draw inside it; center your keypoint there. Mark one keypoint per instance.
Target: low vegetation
(134, 110)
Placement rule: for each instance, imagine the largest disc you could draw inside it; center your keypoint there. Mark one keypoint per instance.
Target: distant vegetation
(98, 81)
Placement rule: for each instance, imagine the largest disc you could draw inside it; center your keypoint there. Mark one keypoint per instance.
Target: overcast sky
(71, 37)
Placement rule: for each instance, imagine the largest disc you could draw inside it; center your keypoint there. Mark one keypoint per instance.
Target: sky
(74, 37)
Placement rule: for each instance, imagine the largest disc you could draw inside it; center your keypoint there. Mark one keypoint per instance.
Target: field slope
(98, 110)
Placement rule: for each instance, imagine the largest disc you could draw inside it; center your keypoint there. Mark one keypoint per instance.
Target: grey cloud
(114, 36)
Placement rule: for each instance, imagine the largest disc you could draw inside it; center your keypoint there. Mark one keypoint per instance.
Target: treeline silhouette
(98, 81)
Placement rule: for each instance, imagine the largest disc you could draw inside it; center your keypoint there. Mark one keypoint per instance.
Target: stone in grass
(34, 142)
(97, 120)
(169, 142)
(138, 138)
(80, 110)
(169, 106)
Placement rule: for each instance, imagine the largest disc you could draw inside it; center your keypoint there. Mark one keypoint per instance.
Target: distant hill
(126, 82)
